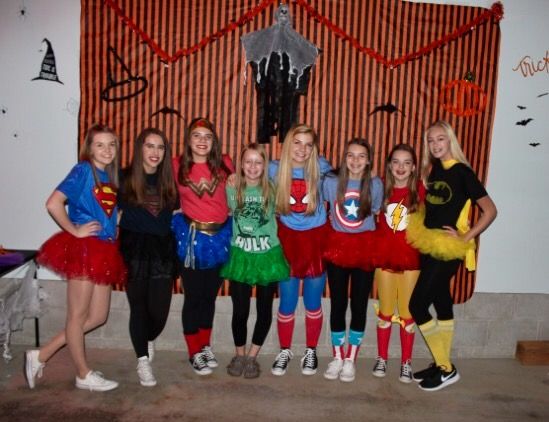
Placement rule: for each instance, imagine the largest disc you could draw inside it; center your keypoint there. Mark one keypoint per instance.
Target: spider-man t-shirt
(297, 219)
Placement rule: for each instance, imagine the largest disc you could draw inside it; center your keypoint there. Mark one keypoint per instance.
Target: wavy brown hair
(215, 158)
(135, 182)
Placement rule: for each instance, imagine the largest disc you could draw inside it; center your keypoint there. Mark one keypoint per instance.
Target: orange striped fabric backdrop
(345, 87)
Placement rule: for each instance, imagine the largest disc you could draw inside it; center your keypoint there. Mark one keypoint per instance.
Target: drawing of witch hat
(127, 87)
(48, 70)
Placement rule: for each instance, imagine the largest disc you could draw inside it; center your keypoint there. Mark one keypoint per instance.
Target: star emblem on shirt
(351, 209)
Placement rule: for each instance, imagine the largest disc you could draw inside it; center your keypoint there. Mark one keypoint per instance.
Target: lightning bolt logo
(397, 215)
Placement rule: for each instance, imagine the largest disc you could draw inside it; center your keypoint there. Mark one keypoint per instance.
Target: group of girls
(263, 228)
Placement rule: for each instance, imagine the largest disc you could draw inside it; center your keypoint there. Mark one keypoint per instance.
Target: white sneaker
(33, 367)
(144, 372)
(150, 350)
(309, 361)
(95, 381)
(348, 371)
(208, 354)
(333, 370)
(380, 368)
(199, 364)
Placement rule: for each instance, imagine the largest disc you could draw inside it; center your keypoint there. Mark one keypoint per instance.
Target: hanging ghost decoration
(281, 61)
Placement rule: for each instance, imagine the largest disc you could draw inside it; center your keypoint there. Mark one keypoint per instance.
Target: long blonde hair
(311, 172)
(427, 159)
(264, 184)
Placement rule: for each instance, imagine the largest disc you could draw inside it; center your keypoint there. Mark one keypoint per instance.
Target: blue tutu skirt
(200, 250)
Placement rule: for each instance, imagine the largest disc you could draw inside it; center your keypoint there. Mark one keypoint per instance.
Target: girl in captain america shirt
(300, 205)
(85, 253)
(354, 198)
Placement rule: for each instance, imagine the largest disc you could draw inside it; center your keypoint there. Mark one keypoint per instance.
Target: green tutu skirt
(261, 268)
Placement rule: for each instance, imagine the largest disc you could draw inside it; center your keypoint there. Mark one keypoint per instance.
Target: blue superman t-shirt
(88, 202)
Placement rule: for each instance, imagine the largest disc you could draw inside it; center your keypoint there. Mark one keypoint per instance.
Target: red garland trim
(245, 18)
(495, 12)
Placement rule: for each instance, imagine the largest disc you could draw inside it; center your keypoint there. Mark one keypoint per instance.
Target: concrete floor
(490, 390)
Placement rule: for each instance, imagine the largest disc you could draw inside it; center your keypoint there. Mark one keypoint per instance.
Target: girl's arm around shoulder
(325, 165)
(377, 194)
(56, 207)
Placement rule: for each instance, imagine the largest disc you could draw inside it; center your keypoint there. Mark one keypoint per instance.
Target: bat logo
(524, 122)
(521, 107)
(389, 108)
(167, 110)
(534, 144)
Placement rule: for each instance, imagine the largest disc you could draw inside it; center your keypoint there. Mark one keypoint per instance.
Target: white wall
(513, 251)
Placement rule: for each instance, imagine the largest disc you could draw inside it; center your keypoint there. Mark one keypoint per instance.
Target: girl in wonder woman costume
(203, 233)
(398, 262)
(442, 234)
(354, 198)
(256, 257)
(298, 176)
(85, 253)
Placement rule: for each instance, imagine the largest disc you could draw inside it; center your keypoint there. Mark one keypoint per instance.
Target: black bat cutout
(389, 108)
(521, 107)
(524, 122)
(167, 110)
(534, 144)
(543, 95)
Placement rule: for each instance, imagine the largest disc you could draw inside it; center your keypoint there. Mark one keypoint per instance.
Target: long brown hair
(413, 194)
(86, 154)
(215, 158)
(135, 184)
(264, 184)
(284, 176)
(343, 179)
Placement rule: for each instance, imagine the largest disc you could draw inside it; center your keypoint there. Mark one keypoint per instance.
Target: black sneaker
(281, 362)
(309, 362)
(440, 380)
(425, 373)
(199, 364)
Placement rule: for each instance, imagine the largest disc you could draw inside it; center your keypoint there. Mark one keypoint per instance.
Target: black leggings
(240, 295)
(361, 286)
(200, 288)
(149, 292)
(433, 287)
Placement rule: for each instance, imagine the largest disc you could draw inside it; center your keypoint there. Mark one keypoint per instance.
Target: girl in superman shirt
(85, 253)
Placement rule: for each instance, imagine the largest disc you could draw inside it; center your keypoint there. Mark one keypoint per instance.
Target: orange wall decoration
(383, 66)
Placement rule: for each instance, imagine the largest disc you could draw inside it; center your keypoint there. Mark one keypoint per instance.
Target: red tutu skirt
(87, 258)
(350, 250)
(303, 250)
(394, 253)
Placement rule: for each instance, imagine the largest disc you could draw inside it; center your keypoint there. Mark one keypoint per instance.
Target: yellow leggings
(394, 290)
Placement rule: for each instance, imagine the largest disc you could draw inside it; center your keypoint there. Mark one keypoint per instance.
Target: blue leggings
(312, 293)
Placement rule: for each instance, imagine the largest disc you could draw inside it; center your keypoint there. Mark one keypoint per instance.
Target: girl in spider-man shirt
(85, 253)
(301, 230)
(354, 198)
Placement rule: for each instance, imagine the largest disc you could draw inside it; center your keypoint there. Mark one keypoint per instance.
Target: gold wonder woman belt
(204, 227)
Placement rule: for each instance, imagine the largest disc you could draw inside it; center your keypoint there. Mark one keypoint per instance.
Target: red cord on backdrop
(495, 12)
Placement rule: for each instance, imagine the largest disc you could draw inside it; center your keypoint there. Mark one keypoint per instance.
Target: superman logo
(106, 197)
